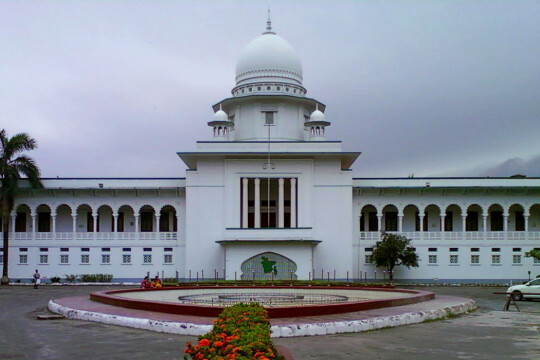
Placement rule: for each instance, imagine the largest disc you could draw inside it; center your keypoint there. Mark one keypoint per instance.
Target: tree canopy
(13, 165)
(534, 253)
(394, 250)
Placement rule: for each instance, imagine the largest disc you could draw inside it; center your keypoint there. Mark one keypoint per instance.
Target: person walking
(37, 278)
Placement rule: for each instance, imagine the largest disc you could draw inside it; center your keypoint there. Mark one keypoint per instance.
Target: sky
(421, 88)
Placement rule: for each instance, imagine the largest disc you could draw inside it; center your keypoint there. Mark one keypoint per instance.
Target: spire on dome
(269, 25)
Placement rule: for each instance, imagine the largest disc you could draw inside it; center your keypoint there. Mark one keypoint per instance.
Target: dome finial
(269, 25)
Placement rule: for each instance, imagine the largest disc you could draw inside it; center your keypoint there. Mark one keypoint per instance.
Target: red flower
(204, 342)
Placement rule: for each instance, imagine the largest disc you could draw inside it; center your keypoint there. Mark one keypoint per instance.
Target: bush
(71, 278)
(55, 280)
(241, 332)
(169, 281)
(96, 277)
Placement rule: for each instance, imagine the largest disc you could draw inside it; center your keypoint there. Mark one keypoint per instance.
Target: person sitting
(146, 284)
(156, 283)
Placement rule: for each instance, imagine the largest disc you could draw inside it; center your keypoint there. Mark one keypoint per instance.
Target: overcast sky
(430, 88)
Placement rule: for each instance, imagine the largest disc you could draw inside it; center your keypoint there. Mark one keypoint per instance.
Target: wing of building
(270, 197)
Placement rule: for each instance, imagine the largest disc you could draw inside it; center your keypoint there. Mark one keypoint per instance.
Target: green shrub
(241, 332)
(71, 278)
(169, 280)
(96, 277)
(55, 280)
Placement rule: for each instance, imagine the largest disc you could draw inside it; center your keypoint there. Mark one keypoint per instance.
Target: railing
(99, 236)
(457, 235)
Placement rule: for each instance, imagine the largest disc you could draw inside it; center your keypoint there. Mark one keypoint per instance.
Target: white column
(293, 202)
(74, 218)
(53, 219)
(443, 235)
(526, 219)
(400, 222)
(158, 217)
(379, 222)
(484, 223)
(421, 226)
(136, 216)
(257, 203)
(245, 202)
(115, 223)
(13, 217)
(505, 226)
(33, 227)
(281, 203)
(464, 222)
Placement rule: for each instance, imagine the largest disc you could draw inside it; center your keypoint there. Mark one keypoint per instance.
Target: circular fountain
(279, 301)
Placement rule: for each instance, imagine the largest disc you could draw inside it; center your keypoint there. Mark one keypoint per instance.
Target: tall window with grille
(475, 259)
(64, 259)
(85, 259)
(454, 259)
(495, 259)
(43, 258)
(432, 259)
(516, 259)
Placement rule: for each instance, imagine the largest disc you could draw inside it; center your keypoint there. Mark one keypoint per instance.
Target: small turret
(221, 125)
(316, 125)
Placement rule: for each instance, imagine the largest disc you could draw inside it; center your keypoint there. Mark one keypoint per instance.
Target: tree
(13, 164)
(534, 253)
(394, 250)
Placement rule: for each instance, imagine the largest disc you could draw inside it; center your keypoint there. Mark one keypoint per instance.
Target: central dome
(269, 64)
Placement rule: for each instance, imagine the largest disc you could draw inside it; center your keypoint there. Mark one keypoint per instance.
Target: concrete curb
(295, 330)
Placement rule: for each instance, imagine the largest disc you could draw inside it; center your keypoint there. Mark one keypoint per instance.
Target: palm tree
(12, 165)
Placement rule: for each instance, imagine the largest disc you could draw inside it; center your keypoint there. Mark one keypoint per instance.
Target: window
(497, 221)
(64, 249)
(432, 259)
(20, 222)
(475, 249)
(369, 259)
(391, 221)
(516, 249)
(167, 259)
(454, 259)
(373, 223)
(126, 249)
(268, 117)
(64, 259)
(520, 221)
(495, 259)
(120, 222)
(147, 221)
(23, 259)
(516, 259)
(167, 249)
(471, 221)
(449, 221)
(23, 249)
(43, 259)
(85, 249)
(126, 259)
(147, 249)
(147, 258)
(43, 249)
(432, 249)
(105, 249)
(105, 258)
(475, 259)
(85, 259)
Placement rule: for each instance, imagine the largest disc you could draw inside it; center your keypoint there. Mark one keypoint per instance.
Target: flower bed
(241, 332)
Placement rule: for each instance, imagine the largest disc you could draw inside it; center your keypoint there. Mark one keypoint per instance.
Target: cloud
(513, 166)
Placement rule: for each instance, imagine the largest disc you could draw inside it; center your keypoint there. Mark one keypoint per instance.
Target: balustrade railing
(98, 236)
(456, 235)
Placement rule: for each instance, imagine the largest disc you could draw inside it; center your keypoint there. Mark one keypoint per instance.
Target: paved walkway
(487, 333)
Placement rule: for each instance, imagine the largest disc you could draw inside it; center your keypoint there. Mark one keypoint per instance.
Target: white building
(270, 196)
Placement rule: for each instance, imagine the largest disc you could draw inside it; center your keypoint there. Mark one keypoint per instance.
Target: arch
(44, 220)
(168, 220)
(64, 218)
(125, 221)
(23, 219)
(432, 218)
(268, 265)
(390, 218)
(453, 206)
(495, 220)
(83, 205)
(368, 218)
(475, 207)
(63, 205)
(147, 218)
(104, 218)
(452, 217)
(516, 217)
